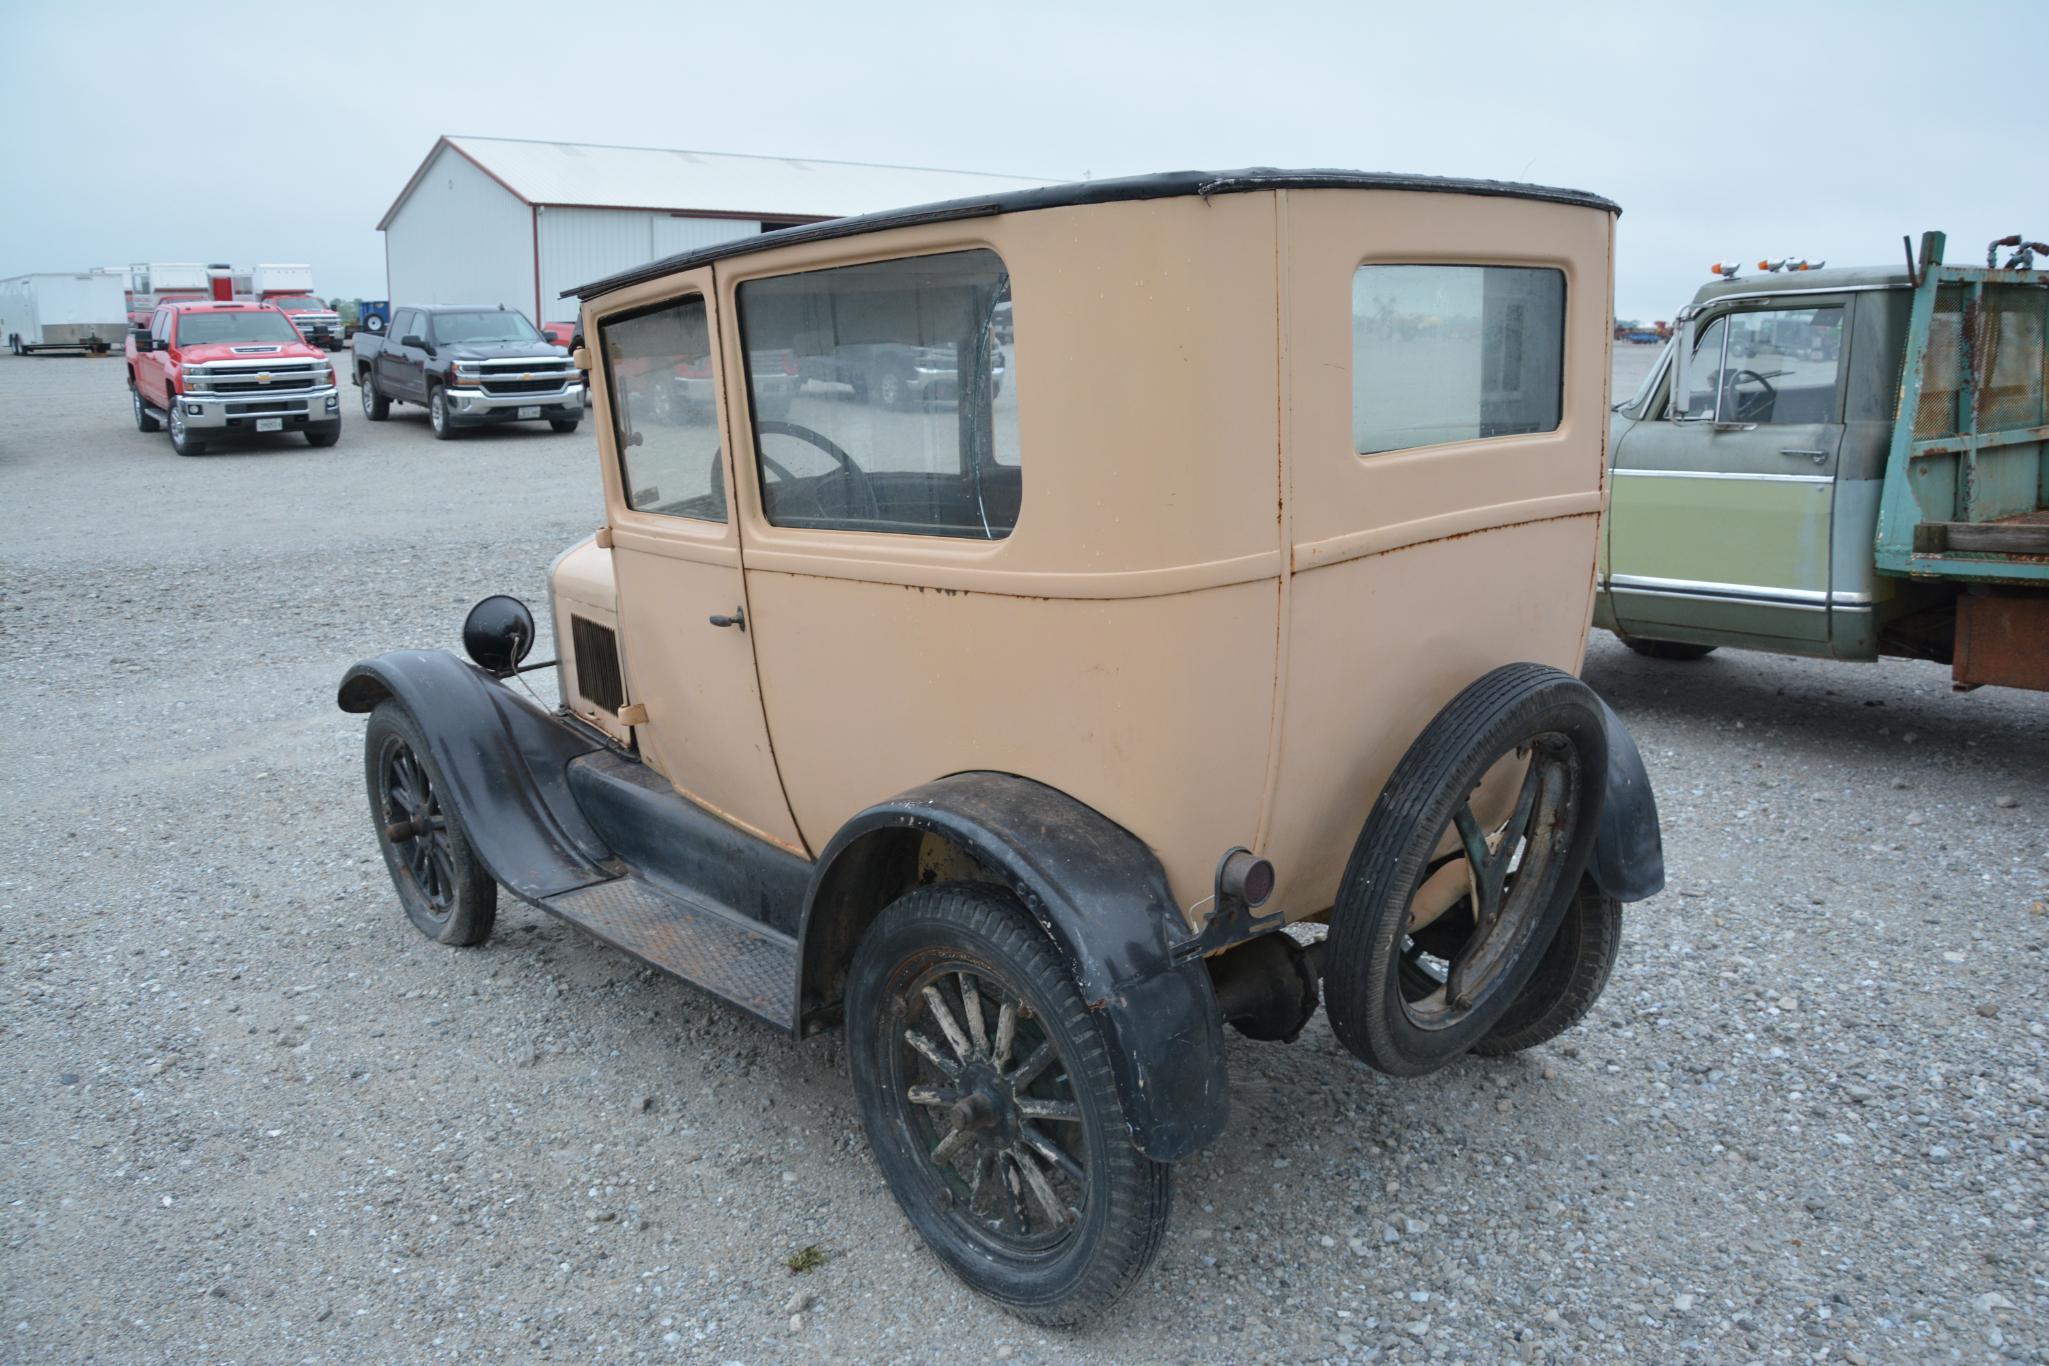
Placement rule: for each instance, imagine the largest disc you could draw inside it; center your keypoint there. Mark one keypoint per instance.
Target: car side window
(884, 396)
(161, 327)
(658, 374)
(1781, 365)
(1704, 372)
(1455, 353)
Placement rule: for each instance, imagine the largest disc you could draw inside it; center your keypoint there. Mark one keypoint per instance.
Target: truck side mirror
(412, 339)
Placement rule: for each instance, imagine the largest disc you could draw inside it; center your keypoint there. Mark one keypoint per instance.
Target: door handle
(739, 619)
(1818, 457)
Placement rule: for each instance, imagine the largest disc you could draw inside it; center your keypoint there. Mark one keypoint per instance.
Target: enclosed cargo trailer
(85, 311)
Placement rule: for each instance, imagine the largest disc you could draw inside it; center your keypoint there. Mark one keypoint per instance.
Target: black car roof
(1165, 185)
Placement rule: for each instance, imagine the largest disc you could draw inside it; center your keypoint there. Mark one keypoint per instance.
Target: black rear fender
(1628, 861)
(1102, 899)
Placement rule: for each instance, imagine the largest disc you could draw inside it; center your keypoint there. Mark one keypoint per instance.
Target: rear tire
(441, 883)
(1571, 977)
(1667, 649)
(1040, 1200)
(1532, 863)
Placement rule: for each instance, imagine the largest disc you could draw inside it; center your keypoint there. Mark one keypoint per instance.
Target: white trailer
(272, 279)
(155, 277)
(86, 311)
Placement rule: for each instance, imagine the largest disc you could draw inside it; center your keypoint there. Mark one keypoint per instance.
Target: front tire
(1485, 895)
(322, 438)
(564, 425)
(145, 420)
(376, 406)
(441, 883)
(985, 1088)
(182, 439)
(438, 416)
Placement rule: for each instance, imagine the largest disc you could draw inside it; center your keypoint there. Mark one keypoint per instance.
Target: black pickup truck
(469, 366)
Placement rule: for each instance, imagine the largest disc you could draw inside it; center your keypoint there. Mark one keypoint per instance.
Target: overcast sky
(281, 132)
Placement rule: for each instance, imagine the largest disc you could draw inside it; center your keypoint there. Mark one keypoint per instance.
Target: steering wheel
(1759, 403)
(857, 477)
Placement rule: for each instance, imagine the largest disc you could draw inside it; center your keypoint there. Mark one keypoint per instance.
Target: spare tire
(1529, 742)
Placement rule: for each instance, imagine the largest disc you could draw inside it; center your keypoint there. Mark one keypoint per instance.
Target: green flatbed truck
(1845, 464)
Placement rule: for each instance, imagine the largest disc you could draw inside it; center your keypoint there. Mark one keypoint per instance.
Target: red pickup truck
(211, 369)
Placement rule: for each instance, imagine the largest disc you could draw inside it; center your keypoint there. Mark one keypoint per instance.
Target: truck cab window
(1781, 365)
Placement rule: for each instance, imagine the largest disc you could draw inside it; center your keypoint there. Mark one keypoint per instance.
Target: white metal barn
(504, 221)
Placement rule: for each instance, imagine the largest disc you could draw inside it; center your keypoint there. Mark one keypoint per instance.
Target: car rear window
(884, 396)
(1446, 353)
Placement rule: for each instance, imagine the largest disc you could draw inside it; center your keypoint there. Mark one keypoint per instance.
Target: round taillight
(1246, 877)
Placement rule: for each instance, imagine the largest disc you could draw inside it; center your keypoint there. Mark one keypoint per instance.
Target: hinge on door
(603, 538)
(633, 714)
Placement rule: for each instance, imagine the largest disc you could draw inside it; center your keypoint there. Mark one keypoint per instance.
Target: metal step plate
(742, 963)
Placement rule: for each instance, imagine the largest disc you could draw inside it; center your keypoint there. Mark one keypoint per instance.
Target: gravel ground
(251, 1115)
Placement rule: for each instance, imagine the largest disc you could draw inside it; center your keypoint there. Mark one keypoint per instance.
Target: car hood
(497, 350)
(248, 351)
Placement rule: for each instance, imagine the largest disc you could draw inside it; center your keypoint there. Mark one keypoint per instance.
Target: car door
(676, 560)
(1721, 509)
(399, 367)
(155, 374)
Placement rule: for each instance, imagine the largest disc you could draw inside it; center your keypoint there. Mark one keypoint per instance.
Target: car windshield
(256, 325)
(497, 325)
(300, 301)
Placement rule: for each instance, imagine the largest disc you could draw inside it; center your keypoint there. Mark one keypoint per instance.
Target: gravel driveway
(251, 1115)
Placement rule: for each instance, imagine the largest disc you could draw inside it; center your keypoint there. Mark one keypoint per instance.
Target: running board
(741, 962)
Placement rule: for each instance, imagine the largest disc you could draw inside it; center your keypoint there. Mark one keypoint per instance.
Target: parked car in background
(1764, 496)
(897, 375)
(316, 322)
(1029, 814)
(469, 366)
(208, 369)
(561, 334)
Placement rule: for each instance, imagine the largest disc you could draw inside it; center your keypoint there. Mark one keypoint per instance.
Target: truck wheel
(1667, 649)
(317, 439)
(145, 420)
(890, 390)
(438, 416)
(376, 406)
(446, 892)
(985, 1089)
(1425, 858)
(565, 425)
(182, 439)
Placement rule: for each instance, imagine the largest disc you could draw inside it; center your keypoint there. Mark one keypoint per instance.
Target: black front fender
(1102, 898)
(1628, 862)
(505, 761)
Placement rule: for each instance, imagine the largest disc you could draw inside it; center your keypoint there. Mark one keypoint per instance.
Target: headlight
(195, 381)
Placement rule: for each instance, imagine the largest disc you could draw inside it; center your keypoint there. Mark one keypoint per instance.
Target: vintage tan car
(1237, 577)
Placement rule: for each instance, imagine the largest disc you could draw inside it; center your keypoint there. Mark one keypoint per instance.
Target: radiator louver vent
(597, 664)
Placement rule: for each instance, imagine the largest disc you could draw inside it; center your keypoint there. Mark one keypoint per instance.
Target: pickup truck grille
(493, 385)
(285, 377)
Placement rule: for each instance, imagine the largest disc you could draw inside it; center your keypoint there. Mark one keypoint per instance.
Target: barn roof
(711, 183)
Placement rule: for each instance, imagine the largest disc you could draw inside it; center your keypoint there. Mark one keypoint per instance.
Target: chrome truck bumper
(296, 410)
(481, 405)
